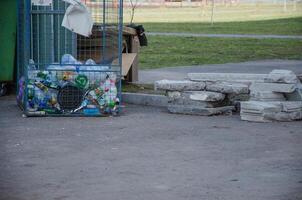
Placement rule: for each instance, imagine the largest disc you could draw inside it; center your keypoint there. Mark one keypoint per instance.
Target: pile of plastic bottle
(87, 89)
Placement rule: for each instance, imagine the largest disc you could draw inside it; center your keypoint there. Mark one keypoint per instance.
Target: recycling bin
(65, 68)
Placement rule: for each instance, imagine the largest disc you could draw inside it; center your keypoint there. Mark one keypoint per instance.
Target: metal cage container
(69, 57)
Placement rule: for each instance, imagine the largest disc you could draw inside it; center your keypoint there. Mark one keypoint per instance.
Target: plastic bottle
(39, 95)
(30, 91)
(90, 62)
(68, 59)
(31, 65)
(31, 70)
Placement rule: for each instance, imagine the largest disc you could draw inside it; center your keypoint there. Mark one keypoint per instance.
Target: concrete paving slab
(284, 116)
(260, 106)
(274, 87)
(206, 96)
(266, 96)
(282, 76)
(271, 111)
(228, 88)
(183, 98)
(254, 117)
(177, 85)
(227, 77)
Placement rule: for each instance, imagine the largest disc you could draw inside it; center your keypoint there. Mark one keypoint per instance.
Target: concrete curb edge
(145, 99)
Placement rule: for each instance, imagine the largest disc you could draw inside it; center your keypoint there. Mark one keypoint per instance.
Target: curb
(145, 99)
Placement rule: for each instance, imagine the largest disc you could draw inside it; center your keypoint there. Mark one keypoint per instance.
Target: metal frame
(27, 49)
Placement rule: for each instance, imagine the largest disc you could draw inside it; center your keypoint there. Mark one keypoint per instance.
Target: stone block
(228, 88)
(206, 96)
(266, 96)
(283, 116)
(227, 77)
(171, 85)
(291, 106)
(260, 106)
(251, 117)
(273, 87)
(174, 94)
(183, 98)
(271, 111)
(281, 76)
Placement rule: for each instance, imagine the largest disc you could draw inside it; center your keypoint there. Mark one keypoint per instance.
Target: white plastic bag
(78, 18)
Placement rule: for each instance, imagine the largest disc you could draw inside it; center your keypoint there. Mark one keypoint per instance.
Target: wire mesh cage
(69, 57)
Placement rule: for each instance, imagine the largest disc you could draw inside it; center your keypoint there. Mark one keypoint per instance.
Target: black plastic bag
(140, 31)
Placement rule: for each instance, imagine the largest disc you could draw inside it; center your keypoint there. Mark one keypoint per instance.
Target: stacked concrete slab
(277, 98)
(200, 97)
(227, 77)
(263, 97)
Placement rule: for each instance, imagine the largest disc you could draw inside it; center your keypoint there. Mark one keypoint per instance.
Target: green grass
(165, 51)
(261, 18)
(288, 26)
(242, 12)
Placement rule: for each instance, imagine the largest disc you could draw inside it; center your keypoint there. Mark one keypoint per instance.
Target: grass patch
(289, 26)
(222, 13)
(165, 51)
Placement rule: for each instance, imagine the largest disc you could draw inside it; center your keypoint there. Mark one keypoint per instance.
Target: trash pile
(278, 98)
(199, 97)
(69, 88)
(258, 97)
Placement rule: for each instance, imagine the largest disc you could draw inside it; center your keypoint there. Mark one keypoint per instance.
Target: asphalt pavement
(147, 153)
(255, 67)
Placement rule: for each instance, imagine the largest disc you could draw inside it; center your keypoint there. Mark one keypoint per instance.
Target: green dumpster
(8, 25)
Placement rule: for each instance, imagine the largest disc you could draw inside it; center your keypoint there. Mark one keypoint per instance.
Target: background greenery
(287, 26)
(222, 13)
(165, 51)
